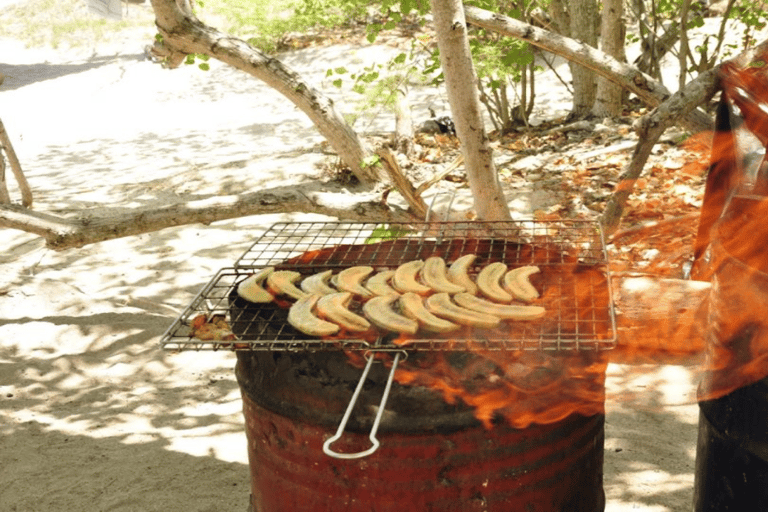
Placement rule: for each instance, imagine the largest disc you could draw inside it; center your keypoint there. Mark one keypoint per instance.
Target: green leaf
(204, 66)
(696, 22)
(337, 83)
(400, 58)
(385, 232)
(190, 59)
(340, 71)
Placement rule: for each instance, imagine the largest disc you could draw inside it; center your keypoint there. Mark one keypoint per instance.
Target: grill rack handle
(343, 425)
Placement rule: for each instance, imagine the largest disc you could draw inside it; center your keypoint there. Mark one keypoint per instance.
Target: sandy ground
(93, 415)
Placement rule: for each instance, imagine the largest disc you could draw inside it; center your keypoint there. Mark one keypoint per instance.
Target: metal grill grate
(570, 254)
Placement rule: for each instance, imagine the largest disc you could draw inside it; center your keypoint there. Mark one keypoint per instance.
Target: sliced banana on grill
(335, 307)
(350, 280)
(318, 283)
(504, 311)
(251, 288)
(489, 282)
(434, 274)
(405, 280)
(458, 273)
(282, 282)
(440, 304)
(302, 318)
(379, 311)
(518, 283)
(413, 307)
(378, 284)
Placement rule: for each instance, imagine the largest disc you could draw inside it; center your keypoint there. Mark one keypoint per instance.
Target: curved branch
(646, 88)
(184, 34)
(13, 161)
(63, 233)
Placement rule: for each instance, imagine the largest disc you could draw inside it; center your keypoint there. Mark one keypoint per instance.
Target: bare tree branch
(64, 232)
(646, 88)
(184, 34)
(649, 129)
(651, 126)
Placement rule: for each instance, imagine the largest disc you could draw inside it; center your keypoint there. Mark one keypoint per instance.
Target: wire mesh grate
(571, 255)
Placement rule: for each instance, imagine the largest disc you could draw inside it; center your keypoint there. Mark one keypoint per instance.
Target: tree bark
(184, 34)
(646, 88)
(461, 86)
(583, 14)
(63, 233)
(609, 95)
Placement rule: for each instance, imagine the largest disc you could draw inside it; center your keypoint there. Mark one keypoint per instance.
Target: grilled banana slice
(413, 307)
(318, 283)
(282, 282)
(350, 279)
(334, 307)
(301, 317)
(440, 304)
(250, 288)
(378, 284)
(517, 283)
(379, 311)
(458, 273)
(489, 282)
(504, 311)
(434, 275)
(405, 281)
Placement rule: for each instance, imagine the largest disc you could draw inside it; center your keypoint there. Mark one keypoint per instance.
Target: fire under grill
(295, 387)
(573, 283)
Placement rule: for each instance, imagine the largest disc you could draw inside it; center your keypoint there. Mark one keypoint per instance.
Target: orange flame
(523, 387)
(722, 328)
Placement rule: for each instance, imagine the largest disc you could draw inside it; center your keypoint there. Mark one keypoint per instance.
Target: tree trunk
(583, 14)
(682, 54)
(184, 34)
(609, 95)
(646, 88)
(561, 18)
(404, 132)
(461, 86)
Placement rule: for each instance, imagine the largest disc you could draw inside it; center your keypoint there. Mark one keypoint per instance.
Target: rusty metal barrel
(732, 453)
(434, 456)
